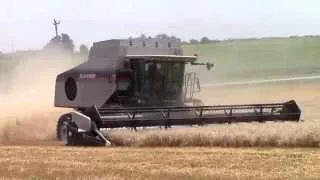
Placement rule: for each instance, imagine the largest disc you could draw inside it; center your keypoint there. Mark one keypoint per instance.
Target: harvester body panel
(93, 82)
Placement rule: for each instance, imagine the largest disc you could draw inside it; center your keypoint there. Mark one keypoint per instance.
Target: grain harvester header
(143, 83)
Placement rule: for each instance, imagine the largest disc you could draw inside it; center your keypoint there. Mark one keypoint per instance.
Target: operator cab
(154, 80)
(158, 82)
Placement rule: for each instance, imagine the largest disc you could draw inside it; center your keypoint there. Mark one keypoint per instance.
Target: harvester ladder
(191, 85)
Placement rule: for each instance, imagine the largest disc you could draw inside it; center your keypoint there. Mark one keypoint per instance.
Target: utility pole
(56, 24)
(12, 46)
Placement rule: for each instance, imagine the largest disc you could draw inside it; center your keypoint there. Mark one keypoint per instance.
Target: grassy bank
(234, 60)
(259, 59)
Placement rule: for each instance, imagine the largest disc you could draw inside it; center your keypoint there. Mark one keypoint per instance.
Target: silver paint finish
(106, 57)
(82, 121)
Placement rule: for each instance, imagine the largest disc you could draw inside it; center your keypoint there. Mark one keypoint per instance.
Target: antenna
(56, 24)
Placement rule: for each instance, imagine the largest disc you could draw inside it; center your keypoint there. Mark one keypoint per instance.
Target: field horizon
(234, 60)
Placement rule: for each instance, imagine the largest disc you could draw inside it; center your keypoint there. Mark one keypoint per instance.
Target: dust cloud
(27, 108)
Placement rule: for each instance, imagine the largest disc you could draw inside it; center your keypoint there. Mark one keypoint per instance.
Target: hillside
(234, 60)
(259, 59)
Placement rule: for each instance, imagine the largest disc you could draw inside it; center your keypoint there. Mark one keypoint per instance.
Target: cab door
(142, 79)
(149, 79)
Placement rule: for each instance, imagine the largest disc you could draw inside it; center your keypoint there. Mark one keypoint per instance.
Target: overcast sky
(28, 24)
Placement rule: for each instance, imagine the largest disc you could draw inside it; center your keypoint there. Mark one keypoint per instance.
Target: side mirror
(208, 65)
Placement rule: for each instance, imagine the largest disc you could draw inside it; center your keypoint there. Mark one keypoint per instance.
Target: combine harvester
(142, 83)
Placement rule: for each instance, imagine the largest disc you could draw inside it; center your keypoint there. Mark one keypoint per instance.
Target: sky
(27, 25)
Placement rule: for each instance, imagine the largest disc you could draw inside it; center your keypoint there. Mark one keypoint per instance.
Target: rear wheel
(68, 133)
(62, 128)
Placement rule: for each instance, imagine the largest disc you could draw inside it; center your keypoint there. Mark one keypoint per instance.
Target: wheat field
(16, 127)
(270, 134)
(29, 150)
(237, 151)
(56, 162)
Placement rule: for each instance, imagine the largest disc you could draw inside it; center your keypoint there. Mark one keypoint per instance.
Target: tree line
(65, 43)
(203, 40)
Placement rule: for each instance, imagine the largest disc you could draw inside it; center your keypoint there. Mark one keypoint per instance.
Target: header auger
(143, 83)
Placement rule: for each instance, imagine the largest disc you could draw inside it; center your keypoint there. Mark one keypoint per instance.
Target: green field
(234, 60)
(259, 59)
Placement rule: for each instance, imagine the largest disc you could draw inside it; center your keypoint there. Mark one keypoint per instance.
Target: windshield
(167, 78)
(159, 80)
